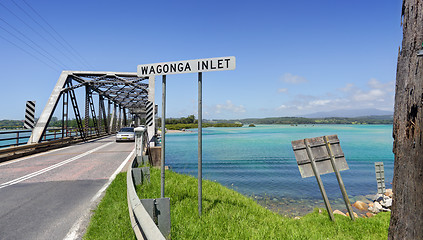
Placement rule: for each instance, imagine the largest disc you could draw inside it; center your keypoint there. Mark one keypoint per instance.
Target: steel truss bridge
(126, 94)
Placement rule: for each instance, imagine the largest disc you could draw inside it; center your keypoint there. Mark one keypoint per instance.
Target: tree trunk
(407, 209)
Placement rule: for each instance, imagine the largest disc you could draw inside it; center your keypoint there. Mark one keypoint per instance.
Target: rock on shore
(360, 205)
(381, 203)
(339, 212)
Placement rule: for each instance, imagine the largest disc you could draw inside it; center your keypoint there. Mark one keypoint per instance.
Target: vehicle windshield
(128, 129)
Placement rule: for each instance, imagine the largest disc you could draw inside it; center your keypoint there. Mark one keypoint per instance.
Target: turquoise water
(260, 162)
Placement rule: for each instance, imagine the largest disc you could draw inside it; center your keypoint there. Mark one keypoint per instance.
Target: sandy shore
(175, 131)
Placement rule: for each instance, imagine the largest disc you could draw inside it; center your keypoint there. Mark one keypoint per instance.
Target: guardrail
(142, 222)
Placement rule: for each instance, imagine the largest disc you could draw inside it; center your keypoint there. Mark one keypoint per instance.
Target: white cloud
(380, 92)
(372, 95)
(225, 110)
(320, 102)
(282, 90)
(281, 107)
(293, 79)
(348, 87)
(374, 83)
(376, 94)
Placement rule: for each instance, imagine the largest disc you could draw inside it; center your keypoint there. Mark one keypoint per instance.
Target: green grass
(111, 218)
(226, 215)
(230, 215)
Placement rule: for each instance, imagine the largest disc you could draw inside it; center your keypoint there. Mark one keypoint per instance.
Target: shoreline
(176, 131)
(290, 207)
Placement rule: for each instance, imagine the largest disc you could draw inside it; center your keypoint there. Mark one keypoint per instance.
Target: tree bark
(407, 209)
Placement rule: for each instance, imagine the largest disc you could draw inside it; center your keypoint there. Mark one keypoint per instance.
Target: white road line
(35, 155)
(31, 175)
(74, 231)
(32, 156)
(118, 170)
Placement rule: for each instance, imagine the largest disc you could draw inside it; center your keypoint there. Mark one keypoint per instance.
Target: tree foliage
(11, 124)
(191, 122)
(301, 120)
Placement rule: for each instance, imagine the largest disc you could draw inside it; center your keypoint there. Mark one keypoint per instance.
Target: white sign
(187, 66)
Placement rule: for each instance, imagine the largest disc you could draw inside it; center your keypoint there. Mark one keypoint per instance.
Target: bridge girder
(124, 89)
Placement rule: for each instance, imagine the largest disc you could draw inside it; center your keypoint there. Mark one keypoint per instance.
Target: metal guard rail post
(141, 222)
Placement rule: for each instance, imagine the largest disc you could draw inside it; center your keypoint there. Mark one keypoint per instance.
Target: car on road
(125, 134)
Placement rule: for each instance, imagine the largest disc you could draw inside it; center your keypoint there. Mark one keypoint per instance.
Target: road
(49, 195)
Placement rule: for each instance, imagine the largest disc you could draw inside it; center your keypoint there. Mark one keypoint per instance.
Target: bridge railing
(142, 222)
(13, 144)
(15, 138)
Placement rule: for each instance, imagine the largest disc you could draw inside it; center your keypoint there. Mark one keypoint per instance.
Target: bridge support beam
(125, 123)
(87, 113)
(47, 113)
(113, 119)
(123, 89)
(65, 114)
(119, 119)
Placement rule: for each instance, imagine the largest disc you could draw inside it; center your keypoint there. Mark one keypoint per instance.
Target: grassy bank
(111, 218)
(230, 215)
(226, 215)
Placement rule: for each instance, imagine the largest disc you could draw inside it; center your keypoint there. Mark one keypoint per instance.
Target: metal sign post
(200, 143)
(321, 155)
(162, 164)
(187, 66)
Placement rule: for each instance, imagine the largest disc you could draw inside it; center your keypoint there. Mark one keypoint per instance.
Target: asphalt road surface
(49, 195)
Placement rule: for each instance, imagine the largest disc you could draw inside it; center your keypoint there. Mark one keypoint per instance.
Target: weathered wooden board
(380, 177)
(320, 155)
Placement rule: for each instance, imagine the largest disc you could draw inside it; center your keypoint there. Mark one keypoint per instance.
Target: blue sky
(293, 57)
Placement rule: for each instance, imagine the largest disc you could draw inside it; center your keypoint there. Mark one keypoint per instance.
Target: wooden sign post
(322, 155)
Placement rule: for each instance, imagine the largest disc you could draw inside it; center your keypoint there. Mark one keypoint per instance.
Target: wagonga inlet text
(187, 66)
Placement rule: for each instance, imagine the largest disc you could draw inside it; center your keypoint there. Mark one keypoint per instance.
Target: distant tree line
(191, 122)
(183, 120)
(11, 124)
(300, 120)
